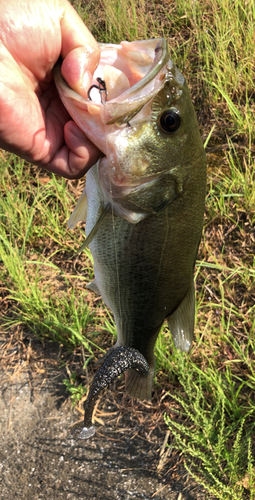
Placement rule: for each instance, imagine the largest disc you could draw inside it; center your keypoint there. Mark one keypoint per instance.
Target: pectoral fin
(181, 322)
(93, 232)
(80, 211)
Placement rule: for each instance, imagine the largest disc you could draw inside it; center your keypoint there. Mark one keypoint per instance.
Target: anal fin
(181, 322)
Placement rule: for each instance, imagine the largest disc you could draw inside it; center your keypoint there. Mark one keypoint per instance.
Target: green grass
(212, 390)
(215, 430)
(33, 232)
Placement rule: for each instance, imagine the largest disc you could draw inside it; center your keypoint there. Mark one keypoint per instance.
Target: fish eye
(170, 121)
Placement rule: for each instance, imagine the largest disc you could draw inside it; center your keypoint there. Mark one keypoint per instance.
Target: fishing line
(103, 102)
(115, 249)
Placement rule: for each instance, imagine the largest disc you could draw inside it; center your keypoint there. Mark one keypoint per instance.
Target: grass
(33, 235)
(211, 392)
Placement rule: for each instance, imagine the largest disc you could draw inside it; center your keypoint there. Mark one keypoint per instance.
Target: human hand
(33, 121)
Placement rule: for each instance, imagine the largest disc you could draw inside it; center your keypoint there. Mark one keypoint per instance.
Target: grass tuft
(214, 430)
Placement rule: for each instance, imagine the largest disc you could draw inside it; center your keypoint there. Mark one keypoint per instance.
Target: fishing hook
(102, 89)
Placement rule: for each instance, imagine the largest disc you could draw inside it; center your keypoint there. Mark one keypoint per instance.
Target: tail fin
(137, 386)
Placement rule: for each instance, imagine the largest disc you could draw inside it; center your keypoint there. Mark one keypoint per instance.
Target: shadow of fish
(143, 203)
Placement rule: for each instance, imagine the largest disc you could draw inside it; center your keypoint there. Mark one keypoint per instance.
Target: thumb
(80, 51)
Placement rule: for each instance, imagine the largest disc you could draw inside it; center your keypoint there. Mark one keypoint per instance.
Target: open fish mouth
(131, 73)
(118, 113)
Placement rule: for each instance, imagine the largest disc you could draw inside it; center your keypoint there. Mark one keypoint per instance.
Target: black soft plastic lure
(116, 363)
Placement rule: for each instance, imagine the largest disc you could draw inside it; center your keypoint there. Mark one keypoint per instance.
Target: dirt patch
(40, 459)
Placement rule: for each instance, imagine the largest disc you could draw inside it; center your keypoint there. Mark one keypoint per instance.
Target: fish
(143, 204)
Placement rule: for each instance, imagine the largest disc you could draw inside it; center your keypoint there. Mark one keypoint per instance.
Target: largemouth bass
(144, 199)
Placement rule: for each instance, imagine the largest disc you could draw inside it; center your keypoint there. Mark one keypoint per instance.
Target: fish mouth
(123, 108)
(150, 78)
(116, 125)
